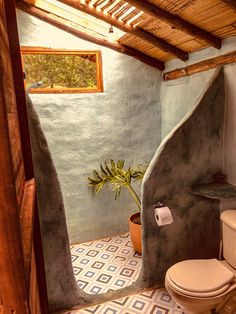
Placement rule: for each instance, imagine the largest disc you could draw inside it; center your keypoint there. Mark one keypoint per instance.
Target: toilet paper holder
(162, 214)
(159, 204)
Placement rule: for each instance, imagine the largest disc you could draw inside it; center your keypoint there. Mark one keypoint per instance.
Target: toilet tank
(228, 218)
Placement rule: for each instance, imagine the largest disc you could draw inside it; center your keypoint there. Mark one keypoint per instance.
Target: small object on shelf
(219, 177)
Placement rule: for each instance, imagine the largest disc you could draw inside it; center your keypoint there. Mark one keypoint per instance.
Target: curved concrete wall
(83, 130)
(190, 154)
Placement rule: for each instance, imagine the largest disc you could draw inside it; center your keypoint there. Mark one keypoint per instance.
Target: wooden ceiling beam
(69, 27)
(135, 31)
(230, 3)
(201, 66)
(177, 22)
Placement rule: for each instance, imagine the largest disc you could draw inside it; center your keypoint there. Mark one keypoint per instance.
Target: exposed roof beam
(201, 66)
(69, 27)
(135, 31)
(231, 3)
(178, 22)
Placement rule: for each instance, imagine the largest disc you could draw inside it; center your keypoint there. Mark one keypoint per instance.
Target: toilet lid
(200, 277)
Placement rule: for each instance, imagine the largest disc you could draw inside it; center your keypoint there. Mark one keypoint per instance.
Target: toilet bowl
(198, 286)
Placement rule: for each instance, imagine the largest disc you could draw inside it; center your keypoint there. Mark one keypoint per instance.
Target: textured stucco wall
(179, 96)
(190, 154)
(230, 123)
(229, 152)
(85, 129)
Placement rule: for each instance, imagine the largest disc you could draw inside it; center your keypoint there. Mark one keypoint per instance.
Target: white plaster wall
(85, 129)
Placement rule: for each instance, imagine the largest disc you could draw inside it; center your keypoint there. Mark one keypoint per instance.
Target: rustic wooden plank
(135, 31)
(145, 48)
(8, 80)
(34, 297)
(130, 15)
(115, 8)
(12, 290)
(20, 182)
(27, 223)
(14, 295)
(66, 25)
(177, 22)
(108, 4)
(18, 91)
(201, 66)
(15, 142)
(230, 3)
(121, 11)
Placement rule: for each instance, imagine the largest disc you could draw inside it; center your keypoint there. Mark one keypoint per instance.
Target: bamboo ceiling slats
(145, 48)
(210, 15)
(176, 21)
(174, 6)
(225, 32)
(130, 14)
(183, 27)
(106, 4)
(191, 45)
(230, 3)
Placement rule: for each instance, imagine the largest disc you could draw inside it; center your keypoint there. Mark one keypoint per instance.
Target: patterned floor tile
(110, 264)
(148, 302)
(107, 264)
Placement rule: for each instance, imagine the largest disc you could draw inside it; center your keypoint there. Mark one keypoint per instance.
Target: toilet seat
(199, 278)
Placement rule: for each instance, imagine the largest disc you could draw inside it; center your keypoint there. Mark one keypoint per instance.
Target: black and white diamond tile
(110, 264)
(148, 302)
(104, 265)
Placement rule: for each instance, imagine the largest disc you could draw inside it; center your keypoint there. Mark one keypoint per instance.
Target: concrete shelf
(216, 190)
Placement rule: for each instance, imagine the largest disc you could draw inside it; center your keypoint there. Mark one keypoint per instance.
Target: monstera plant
(116, 175)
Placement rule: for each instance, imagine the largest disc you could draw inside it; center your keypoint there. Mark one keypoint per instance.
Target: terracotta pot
(135, 232)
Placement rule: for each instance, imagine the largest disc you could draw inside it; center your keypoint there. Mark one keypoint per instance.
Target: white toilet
(198, 286)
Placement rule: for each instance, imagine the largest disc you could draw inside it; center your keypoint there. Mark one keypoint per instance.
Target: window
(62, 71)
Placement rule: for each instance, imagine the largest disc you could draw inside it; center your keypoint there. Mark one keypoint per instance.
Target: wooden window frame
(43, 50)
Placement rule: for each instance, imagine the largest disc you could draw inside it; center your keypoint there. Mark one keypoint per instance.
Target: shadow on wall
(189, 154)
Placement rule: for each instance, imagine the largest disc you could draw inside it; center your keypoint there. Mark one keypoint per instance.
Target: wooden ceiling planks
(159, 37)
(70, 27)
(230, 3)
(212, 15)
(147, 49)
(134, 31)
(176, 22)
(225, 32)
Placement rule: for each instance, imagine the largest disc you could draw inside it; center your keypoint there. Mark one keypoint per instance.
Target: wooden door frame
(10, 14)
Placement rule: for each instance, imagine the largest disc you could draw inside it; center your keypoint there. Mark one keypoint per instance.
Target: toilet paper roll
(163, 216)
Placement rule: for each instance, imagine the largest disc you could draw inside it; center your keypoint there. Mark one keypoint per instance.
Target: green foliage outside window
(61, 71)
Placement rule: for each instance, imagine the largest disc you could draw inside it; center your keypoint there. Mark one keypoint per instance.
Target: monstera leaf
(116, 175)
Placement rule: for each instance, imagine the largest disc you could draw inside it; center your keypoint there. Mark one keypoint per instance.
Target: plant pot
(135, 231)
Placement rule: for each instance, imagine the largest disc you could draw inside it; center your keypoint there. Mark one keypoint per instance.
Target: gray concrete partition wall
(179, 96)
(84, 130)
(190, 154)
